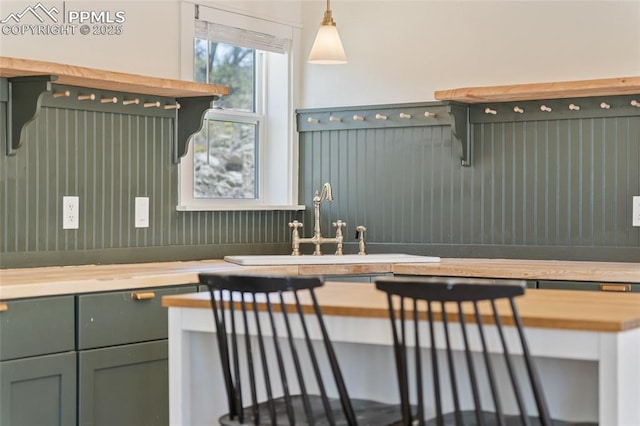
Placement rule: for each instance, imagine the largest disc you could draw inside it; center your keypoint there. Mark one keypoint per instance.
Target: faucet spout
(324, 194)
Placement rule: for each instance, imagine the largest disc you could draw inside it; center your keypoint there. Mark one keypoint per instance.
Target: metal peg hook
(152, 104)
(429, 114)
(574, 107)
(604, 105)
(113, 100)
(518, 110)
(134, 101)
(335, 119)
(381, 117)
(403, 115)
(90, 97)
(357, 117)
(635, 103)
(172, 106)
(313, 120)
(490, 111)
(545, 108)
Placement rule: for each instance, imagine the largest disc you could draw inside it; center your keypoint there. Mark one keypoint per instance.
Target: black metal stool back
(237, 302)
(414, 307)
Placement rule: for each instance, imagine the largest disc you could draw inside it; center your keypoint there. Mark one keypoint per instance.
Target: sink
(255, 260)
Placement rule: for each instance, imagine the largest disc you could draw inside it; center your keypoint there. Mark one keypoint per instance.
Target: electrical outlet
(70, 212)
(142, 212)
(636, 210)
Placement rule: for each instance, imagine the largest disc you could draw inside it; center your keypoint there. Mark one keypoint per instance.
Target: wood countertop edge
(530, 319)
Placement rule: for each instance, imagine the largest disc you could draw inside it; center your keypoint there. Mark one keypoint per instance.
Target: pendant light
(327, 47)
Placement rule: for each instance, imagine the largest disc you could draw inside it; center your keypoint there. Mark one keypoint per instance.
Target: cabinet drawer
(37, 326)
(116, 318)
(589, 286)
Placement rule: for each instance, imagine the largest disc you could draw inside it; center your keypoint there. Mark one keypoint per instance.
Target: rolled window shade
(241, 37)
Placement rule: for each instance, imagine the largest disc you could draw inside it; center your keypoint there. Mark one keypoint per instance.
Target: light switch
(636, 210)
(142, 212)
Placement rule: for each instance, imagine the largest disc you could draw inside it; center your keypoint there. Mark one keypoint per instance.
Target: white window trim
(279, 177)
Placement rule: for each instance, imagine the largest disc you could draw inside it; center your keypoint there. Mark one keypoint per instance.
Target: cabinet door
(124, 385)
(38, 391)
(590, 286)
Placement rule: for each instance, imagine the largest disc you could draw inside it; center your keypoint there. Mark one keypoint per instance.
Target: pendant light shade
(327, 47)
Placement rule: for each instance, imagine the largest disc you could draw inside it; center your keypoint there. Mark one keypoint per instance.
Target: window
(244, 156)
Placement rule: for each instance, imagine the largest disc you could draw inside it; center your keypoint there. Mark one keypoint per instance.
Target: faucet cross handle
(360, 235)
(295, 225)
(295, 237)
(339, 225)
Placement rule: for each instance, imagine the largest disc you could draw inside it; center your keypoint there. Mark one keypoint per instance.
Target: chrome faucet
(317, 240)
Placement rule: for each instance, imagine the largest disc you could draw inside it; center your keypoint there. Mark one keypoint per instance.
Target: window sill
(257, 207)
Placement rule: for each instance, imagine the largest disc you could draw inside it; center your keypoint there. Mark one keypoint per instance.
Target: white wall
(148, 44)
(402, 51)
(399, 51)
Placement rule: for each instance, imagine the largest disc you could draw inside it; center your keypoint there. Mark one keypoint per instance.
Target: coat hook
(403, 115)
(113, 100)
(335, 119)
(490, 111)
(574, 107)
(635, 103)
(604, 105)
(61, 94)
(90, 97)
(429, 114)
(152, 104)
(545, 108)
(313, 120)
(381, 117)
(134, 101)
(518, 110)
(358, 117)
(172, 106)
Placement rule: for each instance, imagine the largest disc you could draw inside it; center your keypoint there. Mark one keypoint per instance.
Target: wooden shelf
(537, 91)
(108, 80)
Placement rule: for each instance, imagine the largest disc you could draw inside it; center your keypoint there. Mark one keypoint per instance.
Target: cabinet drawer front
(37, 326)
(590, 286)
(116, 318)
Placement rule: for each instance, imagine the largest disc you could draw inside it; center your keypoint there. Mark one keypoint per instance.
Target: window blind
(242, 36)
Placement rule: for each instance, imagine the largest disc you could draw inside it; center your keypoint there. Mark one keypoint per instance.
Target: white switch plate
(70, 212)
(142, 212)
(636, 210)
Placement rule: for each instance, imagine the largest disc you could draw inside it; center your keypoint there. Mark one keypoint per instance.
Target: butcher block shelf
(30, 81)
(538, 91)
(72, 75)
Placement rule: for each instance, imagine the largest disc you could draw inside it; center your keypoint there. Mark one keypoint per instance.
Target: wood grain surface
(534, 91)
(556, 309)
(107, 80)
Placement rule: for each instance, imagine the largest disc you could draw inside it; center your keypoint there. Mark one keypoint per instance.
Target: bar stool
(277, 369)
(421, 312)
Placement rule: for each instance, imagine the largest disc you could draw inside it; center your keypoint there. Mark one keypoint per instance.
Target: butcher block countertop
(556, 309)
(35, 282)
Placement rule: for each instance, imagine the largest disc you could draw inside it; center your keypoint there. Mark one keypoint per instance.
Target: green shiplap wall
(107, 159)
(557, 188)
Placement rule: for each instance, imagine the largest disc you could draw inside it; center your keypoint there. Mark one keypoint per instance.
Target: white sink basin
(330, 259)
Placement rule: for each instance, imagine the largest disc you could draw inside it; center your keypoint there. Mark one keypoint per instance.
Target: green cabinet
(37, 362)
(356, 278)
(38, 391)
(123, 376)
(124, 385)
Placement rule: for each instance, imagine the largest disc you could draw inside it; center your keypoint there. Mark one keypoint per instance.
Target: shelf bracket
(459, 114)
(25, 99)
(189, 122)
